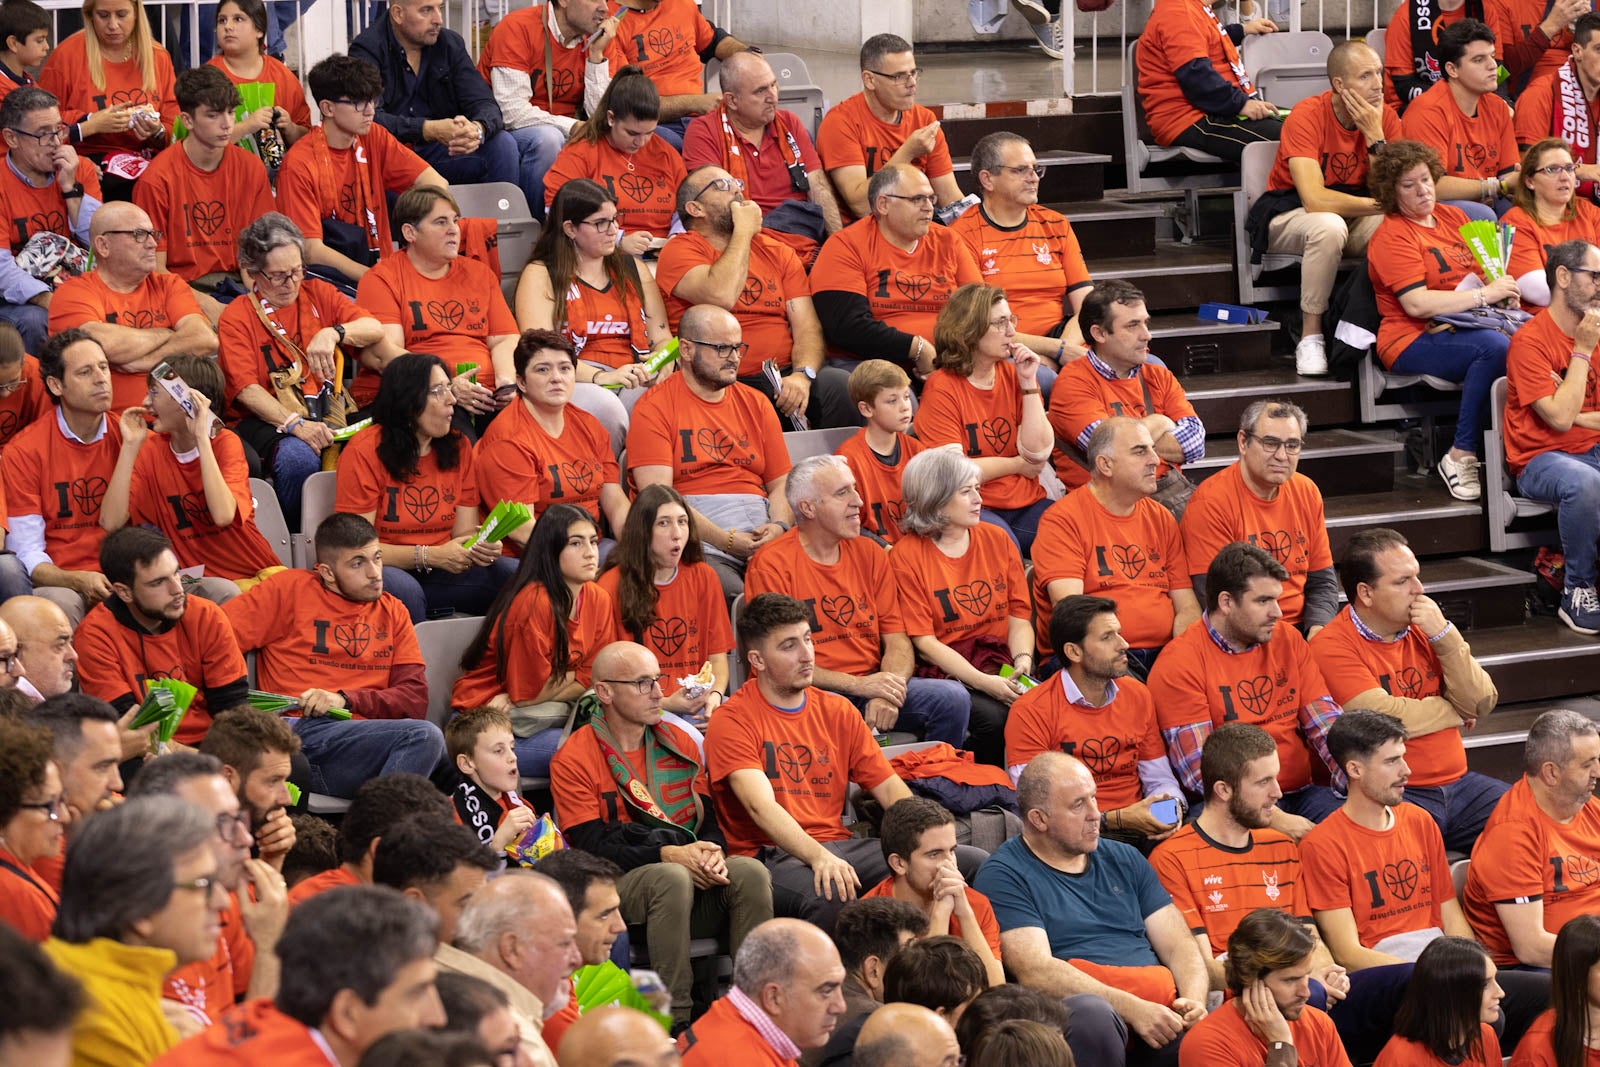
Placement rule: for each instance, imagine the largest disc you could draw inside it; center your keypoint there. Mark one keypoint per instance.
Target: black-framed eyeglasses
(141, 235)
(1584, 270)
(281, 277)
(1270, 445)
(722, 351)
(726, 185)
(901, 78)
(11, 661)
(645, 686)
(53, 808)
(1023, 170)
(359, 105)
(235, 827)
(921, 200)
(48, 135)
(603, 225)
(1552, 169)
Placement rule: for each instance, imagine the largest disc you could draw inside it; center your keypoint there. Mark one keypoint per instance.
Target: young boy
(481, 777)
(878, 454)
(24, 43)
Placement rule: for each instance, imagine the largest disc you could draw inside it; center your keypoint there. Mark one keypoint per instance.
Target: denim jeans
(1572, 483)
(537, 148)
(496, 160)
(935, 709)
(1314, 802)
(1365, 1017)
(1020, 524)
(293, 461)
(1475, 358)
(31, 321)
(672, 132)
(439, 593)
(1461, 807)
(343, 755)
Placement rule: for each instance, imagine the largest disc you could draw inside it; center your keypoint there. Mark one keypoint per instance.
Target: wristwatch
(339, 329)
(72, 194)
(809, 372)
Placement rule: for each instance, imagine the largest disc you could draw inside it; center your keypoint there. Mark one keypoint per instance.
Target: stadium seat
(1140, 149)
(737, 669)
(442, 642)
(1458, 875)
(1504, 507)
(316, 803)
(270, 521)
(316, 504)
(1287, 67)
(517, 229)
(1375, 40)
(805, 443)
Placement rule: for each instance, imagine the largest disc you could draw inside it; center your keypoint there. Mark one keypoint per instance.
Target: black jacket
(446, 84)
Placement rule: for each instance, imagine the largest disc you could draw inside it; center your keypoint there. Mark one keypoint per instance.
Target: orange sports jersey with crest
(1111, 740)
(317, 181)
(1037, 262)
(984, 422)
(1536, 363)
(775, 277)
(169, 494)
(1313, 131)
(852, 136)
(249, 352)
(1404, 255)
(209, 987)
(518, 459)
(520, 41)
(904, 289)
(201, 213)
(1224, 1039)
(63, 480)
(666, 41)
(878, 481)
(1403, 1052)
(1398, 58)
(1087, 397)
(250, 1033)
(20, 406)
(734, 445)
(606, 326)
(1291, 526)
(852, 602)
(421, 509)
(1533, 242)
(288, 93)
(1136, 559)
(982, 910)
(645, 183)
(583, 787)
(452, 317)
(1394, 881)
(1405, 668)
(690, 625)
(1522, 856)
(308, 637)
(1215, 886)
(66, 74)
(160, 302)
(526, 655)
(957, 598)
(1266, 685)
(30, 209)
(1178, 33)
(1470, 146)
(810, 755)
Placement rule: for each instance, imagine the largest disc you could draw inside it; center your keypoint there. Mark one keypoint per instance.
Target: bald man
(45, 662)
(613, 1036)
(906, 1035)
(11, 669)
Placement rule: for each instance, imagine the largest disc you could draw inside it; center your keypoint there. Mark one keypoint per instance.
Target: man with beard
(46, 658)
(257, 750)
(333, 641)
(1552, 419)
(151, 628)
(724, 258)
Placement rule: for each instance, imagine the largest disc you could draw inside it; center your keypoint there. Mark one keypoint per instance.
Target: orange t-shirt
(66, 74)
(1291, 526)
(1513, 21)
(321, 883)
(419, 510)
(606, 326)
(1224, 1039)
(64, 481)
(1477, 146)
(1398, 57)
(318, 182)
(1537, 1049)
(775, 277)
(854, 605)
(1037, 262)
(1403, 1052)
(1405, 668)
(1536, 118)
(1404, 255)
(905, 290)
(1394, 881)
(878, 482)
(169, 494)
(160, 302)
(308, 637)
(209, 987)
(1135, 559)
(251, 1033)
(116, 661)
(21, 406)
(645, 183)
(202, 212)
(1313, 131)
(984, 422)
(288, 93)
(1535, 365)
(521, 41)
(1524, 855)
(690, 624)
(982, 910)
(527, 626)
(27, 902)
(721, 1034)
(249, 353)
(452, 317)
(1266, 685)
(954, 598)
(30, 209)
(1215, 886)
(1533, 242)
(852, 136)
(518, 459)
(1087, 397)
(1112, 740)
(734, 445)
(810, 755)
(666, 41)
(1178, 33)
(583, 787)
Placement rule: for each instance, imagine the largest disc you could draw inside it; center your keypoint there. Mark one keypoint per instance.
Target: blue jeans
(1475, 358)
(439, 593)
(936, 709)
(14, 580)
(293, 461)
(1461, 807)
(1572, 483)
(1365, 1017)
(343, 755)
(496, 160)
(31, 321)
(1020, 524)
(1314, 802)
(672, 132)
(537, 148)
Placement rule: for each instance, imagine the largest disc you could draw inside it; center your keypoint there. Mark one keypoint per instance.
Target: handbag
(1505, 320)
(330, 405)
(349, 240)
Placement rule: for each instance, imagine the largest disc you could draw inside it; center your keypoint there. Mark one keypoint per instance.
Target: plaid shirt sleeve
(1315, 718)
(1190, 434)
(1088, 432)
(1183, 749)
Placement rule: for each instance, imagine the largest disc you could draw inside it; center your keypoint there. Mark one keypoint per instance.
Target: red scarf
(1569, 113)
(733, 153)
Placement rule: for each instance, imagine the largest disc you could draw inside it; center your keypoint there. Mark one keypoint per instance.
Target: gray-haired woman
(278, 342)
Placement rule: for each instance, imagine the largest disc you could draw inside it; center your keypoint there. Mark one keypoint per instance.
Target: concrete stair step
(1494, 747)
(1477, 594)
(1538, 660)
(1109, 228)
(1220, 399)
(1194, 348)
(1176, 276)
(1419, 506)
(1068, 175)
(1340, 461)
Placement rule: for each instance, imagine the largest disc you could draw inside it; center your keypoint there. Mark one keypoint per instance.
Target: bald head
(1042, 774)
(617, 1037)
(118, 215)
(622, 659)
(11, 668)
(706, 320)
(522, 925)
(791, 969)
(745, 72)
(1349, 56)
(906, 1035)
(44, 642)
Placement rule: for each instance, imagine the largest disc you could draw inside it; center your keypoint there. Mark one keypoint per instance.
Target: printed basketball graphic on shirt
(421, 501)
(562, 83)
(841, 609)
(1250, 695)
(353, 637)
(122, 98)
(753, 288)
(204, 217)
(578, 474)
(1400, 879)
(974, 597)
(138, 320)
(637, 187)
(660, 43)
(1341, 167)
(791, 762)
(714, 442)
(446, 313)
(189, 510)
(42, 222)
(1100, 755)
(10, 422)
(668, 635)
(1130, 560)
(886, 514)
(1581, 870)
(912, 286)
(1476, 154)
(85, 495)
(348, 200)
(1408, 682)
(1276, 542)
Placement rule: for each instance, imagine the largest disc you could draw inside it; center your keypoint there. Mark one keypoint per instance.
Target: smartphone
(178, 389)
(1167, 811)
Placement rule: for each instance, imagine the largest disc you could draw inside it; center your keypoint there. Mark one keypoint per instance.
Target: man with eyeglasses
(632, 789)
(1264, 500)
(1561, 102)
(1552, 419)
(717, 442)
(884, 125)
(727, 259)
(672, 41)
(139, 313)
(22, 392)
(45, 187)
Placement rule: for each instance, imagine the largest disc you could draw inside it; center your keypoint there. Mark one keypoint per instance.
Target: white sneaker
(1032, 10)
(1461, 476)
(1311, 356)
(1049, 35)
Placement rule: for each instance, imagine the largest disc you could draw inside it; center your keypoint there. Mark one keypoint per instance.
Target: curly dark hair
(1392, 162)
(402, 394)
(25, 754)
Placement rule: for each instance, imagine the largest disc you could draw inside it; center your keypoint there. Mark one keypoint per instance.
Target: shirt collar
(1074, 695)
(322, 1043)
(24, 178)
(61, 424)
(1222, 642)
(1106, 370)
(752, 1013)
(1369, 633)
(555, 30)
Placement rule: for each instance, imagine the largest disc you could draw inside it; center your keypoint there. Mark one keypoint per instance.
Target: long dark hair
(631, 95)
(637, 595)
(402, 395)
(541, 562)
(574, 202)
(1577, 951)
(1443, 1005)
